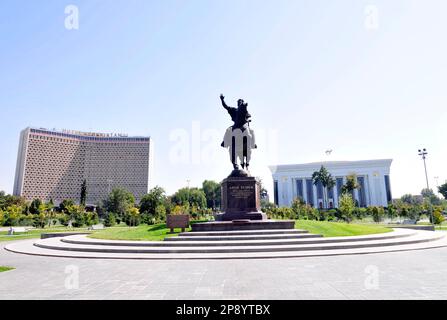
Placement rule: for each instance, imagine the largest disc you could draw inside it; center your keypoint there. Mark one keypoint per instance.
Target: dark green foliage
(193, 196)
(65, 205)
(430, 196)
(443, 190)
(212, 192)
(350, 185)
(83, 197)
(118, 202)
(7, 200)
(377, 213)
(35, 206)
(109, 220)
(149, 202)
(327, 181)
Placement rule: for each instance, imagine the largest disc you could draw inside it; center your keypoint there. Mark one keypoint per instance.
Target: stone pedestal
(241, 199)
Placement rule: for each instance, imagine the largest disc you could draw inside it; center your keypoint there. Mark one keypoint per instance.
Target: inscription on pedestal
(240, 195)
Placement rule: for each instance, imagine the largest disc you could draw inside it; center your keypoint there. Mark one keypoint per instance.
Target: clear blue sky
(314, 76)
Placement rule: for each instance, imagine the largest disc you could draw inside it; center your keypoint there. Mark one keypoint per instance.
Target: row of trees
(326, 180)
(120, 206)
(347, 211)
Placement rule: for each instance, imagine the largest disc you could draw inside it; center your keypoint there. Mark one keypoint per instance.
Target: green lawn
(3, 269)
(339, 229)
(159, 231)
(35, 233)
(143, 232)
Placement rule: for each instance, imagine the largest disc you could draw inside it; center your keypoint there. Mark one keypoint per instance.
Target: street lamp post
(423, 154)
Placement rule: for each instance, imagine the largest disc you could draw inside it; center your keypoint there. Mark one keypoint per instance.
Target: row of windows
(361, 197)
(89, 138)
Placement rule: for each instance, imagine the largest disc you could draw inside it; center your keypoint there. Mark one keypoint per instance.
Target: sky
(365, 79)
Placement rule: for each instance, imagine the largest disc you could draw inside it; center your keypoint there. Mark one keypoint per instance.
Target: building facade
(53, 165)
(373, 178)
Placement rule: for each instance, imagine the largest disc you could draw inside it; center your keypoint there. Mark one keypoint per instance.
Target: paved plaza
(419, 274)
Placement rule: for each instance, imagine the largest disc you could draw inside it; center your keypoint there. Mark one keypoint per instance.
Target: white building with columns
(295, 180)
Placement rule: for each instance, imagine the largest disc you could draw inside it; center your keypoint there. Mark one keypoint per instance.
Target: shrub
(77, 216)
(346, 207)
(63, 218)
(266, 206)
(26, 220)
(377, 213)
(2, 217)
(39, 220)
(360, 213)
(438, 217)
(109, 220)
(91, 218)
(327, 215)
(132, 217)
(160, 213)
(147, 218)
(392, 211)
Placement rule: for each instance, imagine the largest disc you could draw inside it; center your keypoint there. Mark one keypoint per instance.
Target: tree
(65, 205)
(78, 216)
(438, 217)
(194, 197)
(160, 213)
(264, 191)
(327, 181)
(350, 185)
(109, 220)
(14, 213)
(83, 193)
(346, 207)
(149, 202)
(430, 196)
(36, 204)
(7, 200)
(377, 213)
(119, 202)
(212, 192)
(443, 190)
(132, 217)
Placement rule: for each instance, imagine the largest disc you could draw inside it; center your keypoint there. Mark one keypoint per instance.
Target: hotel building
(53, 165)
(373, 178)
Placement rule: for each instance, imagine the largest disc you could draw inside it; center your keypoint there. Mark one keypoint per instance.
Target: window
(299, 188)
(310, 192)
(319, 190)
(361, 191)
(339, 186)
(275, 191)
(389, 197)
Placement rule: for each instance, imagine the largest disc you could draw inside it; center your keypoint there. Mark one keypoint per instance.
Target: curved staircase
(244, 244)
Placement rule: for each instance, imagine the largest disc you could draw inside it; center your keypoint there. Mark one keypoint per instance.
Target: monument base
(238, 225)
(240, 216)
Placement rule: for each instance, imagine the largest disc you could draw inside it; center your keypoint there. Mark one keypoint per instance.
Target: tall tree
(35, 206)
(327, 181)
(119, 201)
(264, 191)
(212, 191)
(443, 190)
(350, 185)
(149, 202)
(194, 197)
(430, 196)
(83, 193)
